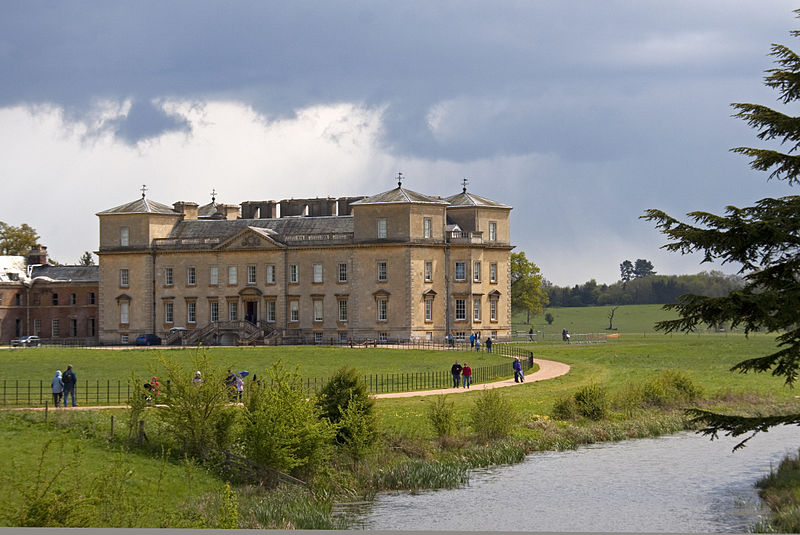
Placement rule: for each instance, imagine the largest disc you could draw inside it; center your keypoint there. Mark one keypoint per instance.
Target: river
(677, 483)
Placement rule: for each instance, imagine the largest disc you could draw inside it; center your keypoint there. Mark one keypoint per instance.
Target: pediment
(252, 238)
(250, 291)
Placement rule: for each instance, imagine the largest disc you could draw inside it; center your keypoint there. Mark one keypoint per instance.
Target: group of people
(474, 341)
(461, 373)
(63, 386)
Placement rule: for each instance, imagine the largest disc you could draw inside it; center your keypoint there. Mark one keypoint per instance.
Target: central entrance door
(251, 311)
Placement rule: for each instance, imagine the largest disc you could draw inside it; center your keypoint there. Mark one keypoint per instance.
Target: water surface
(677, 483)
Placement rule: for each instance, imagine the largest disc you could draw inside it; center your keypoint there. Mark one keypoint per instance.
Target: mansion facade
(399, 265)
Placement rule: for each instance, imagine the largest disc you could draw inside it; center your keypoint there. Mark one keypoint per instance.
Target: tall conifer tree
(765, 240)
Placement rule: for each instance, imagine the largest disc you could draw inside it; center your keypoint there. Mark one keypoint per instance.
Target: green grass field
(72, 457)
(313, 361)
(628, 319)
(705, 358)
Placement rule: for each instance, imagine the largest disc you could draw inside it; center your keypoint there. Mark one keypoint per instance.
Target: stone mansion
(399, 265)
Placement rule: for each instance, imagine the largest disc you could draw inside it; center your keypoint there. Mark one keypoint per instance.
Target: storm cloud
(580, 114)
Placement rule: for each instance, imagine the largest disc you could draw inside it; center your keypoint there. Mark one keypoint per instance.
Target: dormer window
(124, 235)
(381, 227)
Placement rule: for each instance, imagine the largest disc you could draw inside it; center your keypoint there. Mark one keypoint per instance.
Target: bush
(198, 416)
(281, 428)
(442, 416)
(565, 408)
(592, 402)
(344, 387)
(492, 415)
(668, 389)
(137, 404)
(362, 430)
(683, 388)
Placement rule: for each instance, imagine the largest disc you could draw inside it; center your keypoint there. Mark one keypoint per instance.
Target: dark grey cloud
(407, 56)
(145, 120)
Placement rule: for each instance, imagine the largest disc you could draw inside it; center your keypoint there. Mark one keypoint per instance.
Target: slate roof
(207, 210)
(469, 199)
(67, 273)
(224, 229)
(400, 195)
(140, 206)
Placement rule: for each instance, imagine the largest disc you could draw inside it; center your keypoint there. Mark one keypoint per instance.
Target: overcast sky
(579, 114)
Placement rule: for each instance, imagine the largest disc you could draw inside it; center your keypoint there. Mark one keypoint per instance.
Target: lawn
(706, 359)
(628, 319)
(103, 374)
(70, 460)
(313, 361)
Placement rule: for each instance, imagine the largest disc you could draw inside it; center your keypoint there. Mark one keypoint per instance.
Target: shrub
(670, 387)
(362, 429)
(136, 404)
(282, 429)
(683, 387)
(492, 415)
(565, 408)
(198, 416)
(442, 416)
(344, 387)
(591, 402)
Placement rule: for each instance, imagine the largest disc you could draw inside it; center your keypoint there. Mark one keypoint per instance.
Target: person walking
(489, 344)
(517, 371)
(466, 374)
(471, 340)
(455, 370)
(69, 379)
(530, 335)
(57, 386)
(477, 344)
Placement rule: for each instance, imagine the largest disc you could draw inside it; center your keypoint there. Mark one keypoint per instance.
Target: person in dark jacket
(70, 380)
(456, 371)
(518, 377)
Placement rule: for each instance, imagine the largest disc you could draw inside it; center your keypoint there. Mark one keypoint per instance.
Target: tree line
(643, 290)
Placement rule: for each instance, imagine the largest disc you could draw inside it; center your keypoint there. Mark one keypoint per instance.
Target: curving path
(548, 369)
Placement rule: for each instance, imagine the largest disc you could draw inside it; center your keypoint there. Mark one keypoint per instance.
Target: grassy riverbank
(631, 374)
(780, 491)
